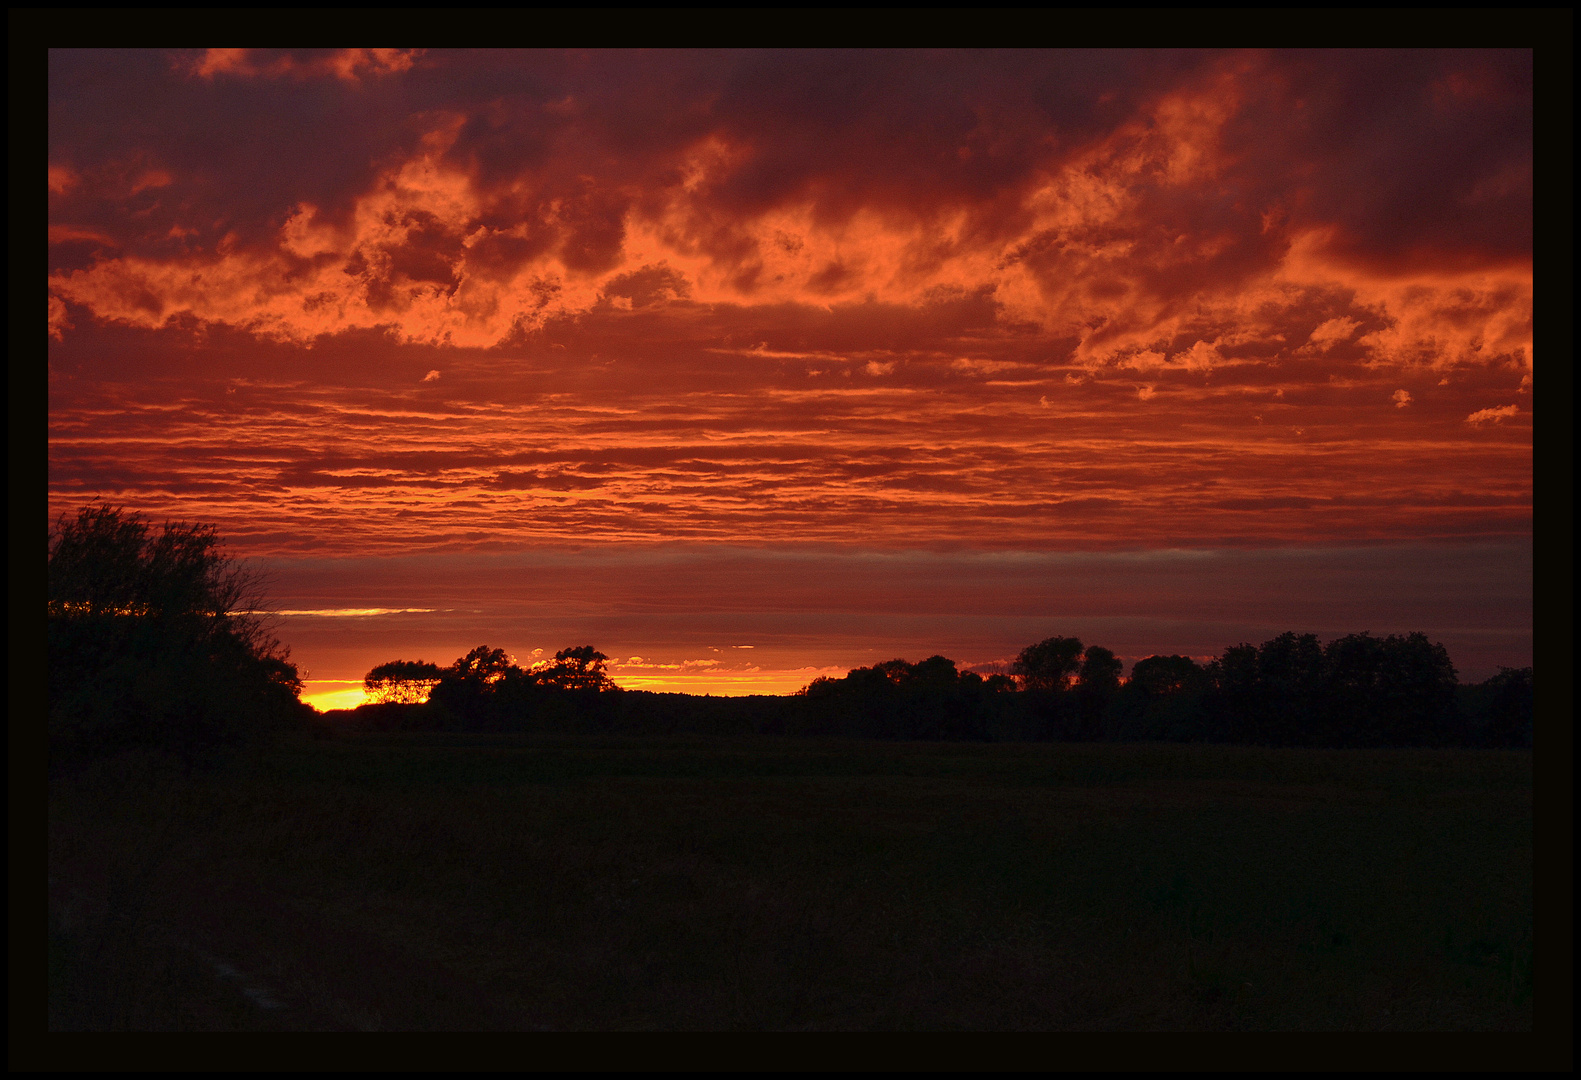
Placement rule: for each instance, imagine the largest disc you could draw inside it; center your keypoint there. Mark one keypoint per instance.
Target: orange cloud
(1496, 415)
(1168, 237)
(347, 64)
(1058, 299)
(58, 322)
(61, 179)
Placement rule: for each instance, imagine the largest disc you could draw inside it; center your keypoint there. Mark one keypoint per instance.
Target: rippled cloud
(364, 302)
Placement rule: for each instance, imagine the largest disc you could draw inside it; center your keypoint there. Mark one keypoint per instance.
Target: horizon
(750, 367)
(715, 652)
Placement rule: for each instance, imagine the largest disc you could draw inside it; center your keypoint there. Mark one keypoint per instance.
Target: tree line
(158, 639)
(486, 690)
(1293, 690)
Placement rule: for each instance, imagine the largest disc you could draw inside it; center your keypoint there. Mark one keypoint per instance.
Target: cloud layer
(1139, 209)
(375, 302)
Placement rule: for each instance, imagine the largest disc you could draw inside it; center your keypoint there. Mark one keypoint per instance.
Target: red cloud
(346, 64)
(1160, 224)
(999, 299)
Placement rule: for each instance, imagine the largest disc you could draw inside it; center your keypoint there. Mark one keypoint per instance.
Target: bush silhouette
(157, 640)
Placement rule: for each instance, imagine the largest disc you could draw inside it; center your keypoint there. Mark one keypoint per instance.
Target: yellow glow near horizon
(325, 700)
(715, 683)
(727, 683)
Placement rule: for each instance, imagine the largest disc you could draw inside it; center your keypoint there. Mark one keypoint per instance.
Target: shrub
(157, 640)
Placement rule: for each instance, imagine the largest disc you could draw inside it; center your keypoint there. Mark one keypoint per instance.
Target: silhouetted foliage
(486, 690)
(1159, 676)
(1356, 691)
(1100, 672)
(158, 640)
(900, 700)
(464, 694)
(1097, 683)
(484, 664)
(1289, 691)
(402, 682)
(1270, 694)
(1050, 665)
(1393, 691)
(1161, 701)
(581, 668)
(1498, 711)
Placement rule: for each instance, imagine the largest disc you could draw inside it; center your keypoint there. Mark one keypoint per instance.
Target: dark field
(508, 882)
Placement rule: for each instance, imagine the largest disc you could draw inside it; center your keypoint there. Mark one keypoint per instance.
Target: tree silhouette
(1050, 665)
(1358, 690)
(1161, 675)
(580, 668)
(936, 675)
(1161, 700)
(465, 693)
(403, 682)
(896, 672)
(1502, 709)
(1097, 683)
(1393, 691)
(1100, 672)
(158, 640)
(484, 664)
(822, 686)
(1293, 702)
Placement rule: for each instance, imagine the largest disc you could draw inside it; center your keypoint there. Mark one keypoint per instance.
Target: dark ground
(446, 882)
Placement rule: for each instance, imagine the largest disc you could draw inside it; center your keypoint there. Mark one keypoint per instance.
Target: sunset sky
(747, 367)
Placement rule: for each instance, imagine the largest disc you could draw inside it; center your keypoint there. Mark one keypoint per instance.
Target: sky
(747, 367)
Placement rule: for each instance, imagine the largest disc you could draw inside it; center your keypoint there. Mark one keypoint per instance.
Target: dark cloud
(1415, 157)
(1406, 151)
(475, 198)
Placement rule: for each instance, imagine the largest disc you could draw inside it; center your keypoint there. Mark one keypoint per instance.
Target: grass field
(454, 882)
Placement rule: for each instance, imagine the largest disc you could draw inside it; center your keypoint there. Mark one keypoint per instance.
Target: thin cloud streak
(350, 613)
(293, 466)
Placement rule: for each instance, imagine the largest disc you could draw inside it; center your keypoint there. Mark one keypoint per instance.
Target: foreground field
(454, 883)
